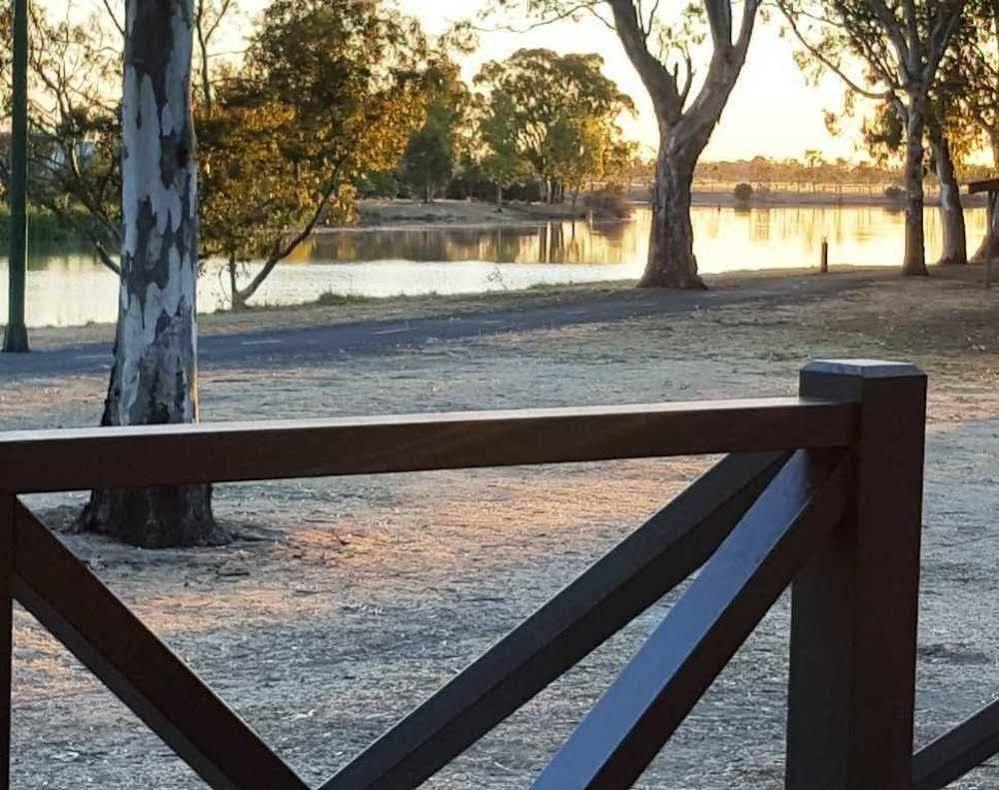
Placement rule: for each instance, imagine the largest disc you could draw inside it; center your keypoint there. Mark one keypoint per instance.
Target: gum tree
(329, 90)
(977, 51)
(889, 51)
(662, 40)
(154, 376)
(547, 97)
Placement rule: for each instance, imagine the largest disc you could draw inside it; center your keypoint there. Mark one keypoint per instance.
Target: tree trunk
(955, 242)
(914, 263)
(989, 248)
(671, 261)
(154, 377)
(236, 299)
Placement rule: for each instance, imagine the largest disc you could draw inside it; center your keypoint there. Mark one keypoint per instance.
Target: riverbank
(388, 214)
(764, 199)
(330, 309)
(410, 215)
(358, 597)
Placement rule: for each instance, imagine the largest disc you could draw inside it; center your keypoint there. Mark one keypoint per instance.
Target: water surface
(68, 287)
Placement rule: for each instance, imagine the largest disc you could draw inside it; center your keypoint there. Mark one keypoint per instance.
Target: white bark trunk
(154, 378)
(955, 240)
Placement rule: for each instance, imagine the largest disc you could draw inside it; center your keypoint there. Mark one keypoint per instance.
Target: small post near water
(824, 262)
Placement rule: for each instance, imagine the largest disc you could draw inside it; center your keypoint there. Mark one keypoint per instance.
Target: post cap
(863, 368)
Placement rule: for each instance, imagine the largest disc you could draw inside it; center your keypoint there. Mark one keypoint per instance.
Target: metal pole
(16, 337)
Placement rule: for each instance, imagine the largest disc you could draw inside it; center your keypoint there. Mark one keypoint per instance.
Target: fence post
(855, 605)
(6, 632)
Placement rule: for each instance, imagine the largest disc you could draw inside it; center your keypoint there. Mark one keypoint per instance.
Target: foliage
(743, 193)
(970, 74)
(895, 193)
(44, 227)
(900, 47)
(664, 42)
(663, 46)
(378, 184)
(330, 89)
(608, 203)
(500, 159)
(432, 152)
(555, 112)
(74, 138)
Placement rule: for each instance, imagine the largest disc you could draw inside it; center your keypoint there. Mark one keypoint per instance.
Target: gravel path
(368, 593)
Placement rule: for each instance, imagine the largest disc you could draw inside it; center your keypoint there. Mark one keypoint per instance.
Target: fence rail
(69, 460)
(822, 492)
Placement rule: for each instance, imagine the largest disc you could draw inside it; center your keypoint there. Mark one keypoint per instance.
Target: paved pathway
(314, 344)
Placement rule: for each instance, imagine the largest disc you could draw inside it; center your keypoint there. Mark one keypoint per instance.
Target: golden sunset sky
(772, 112)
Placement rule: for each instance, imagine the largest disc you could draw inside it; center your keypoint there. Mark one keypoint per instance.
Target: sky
(772, 112)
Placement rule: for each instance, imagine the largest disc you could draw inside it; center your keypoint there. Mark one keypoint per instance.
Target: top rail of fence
(78, 459)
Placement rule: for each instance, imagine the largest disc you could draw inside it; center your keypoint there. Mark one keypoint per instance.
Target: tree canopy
(329, 89)
(663, 43)
(889, 52)
(556, 111)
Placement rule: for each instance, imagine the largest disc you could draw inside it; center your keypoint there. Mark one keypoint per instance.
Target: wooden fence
(822, 492)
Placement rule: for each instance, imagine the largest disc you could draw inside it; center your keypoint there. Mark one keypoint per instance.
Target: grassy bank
(330, 308)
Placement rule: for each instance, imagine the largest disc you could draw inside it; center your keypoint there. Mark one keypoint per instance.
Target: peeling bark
(671, 262)
(955, 241)
(154, 377)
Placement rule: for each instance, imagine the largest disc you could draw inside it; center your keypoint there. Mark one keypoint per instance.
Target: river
(68, 287)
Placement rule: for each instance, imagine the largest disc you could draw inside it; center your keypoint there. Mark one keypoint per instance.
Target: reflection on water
(68, 287)
(555, 242)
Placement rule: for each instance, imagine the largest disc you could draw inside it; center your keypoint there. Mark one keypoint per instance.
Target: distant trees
(75, 140)
(557, 112)
(433, 150)
(499, 154)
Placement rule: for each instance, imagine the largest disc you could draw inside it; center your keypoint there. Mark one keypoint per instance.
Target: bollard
(824, 263)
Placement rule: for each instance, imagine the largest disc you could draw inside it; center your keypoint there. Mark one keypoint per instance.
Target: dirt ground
(365, 594)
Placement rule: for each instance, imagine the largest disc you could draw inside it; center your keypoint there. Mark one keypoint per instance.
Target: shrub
(608, 203)
(330, 299)
(743, 193)
(894, 192)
